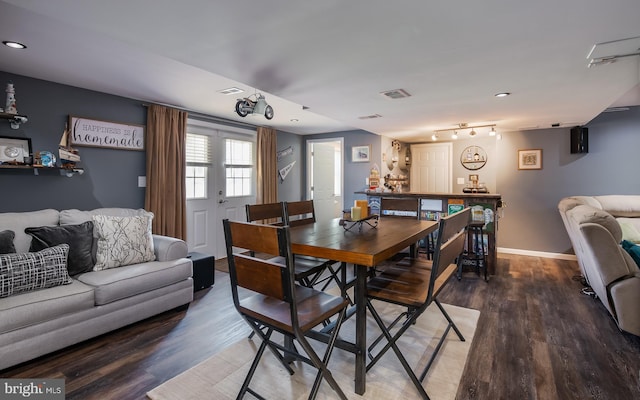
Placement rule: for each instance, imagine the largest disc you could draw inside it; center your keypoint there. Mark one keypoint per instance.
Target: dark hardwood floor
(538, 338)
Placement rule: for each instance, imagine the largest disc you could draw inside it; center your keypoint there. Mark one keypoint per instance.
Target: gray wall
(111, 176)
(531, 219)
(486, 174)
(292, 189)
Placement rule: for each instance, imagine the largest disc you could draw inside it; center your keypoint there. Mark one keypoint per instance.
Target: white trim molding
(532, 253)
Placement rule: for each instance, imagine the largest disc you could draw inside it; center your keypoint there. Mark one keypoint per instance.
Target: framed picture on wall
(530, 159)
(360, 153)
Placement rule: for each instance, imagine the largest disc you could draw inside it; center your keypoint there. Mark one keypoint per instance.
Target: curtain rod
(206, 117)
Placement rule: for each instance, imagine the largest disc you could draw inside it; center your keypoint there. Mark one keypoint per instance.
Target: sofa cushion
(78, 237)
(18, 221)
(629, 231)
(6, 242)
(74, 216)
(31, 308)
(123, 240)
(23, 272)
(620, 205)
(118, 283)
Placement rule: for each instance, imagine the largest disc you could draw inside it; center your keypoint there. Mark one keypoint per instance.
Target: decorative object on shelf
(106, 134)
(530, 159)
(15, 150)
(68, 155)
(11, 107)
(374, 177)
(360, 153)
(14, 119)
(259, 106)
(473, 158)
(47, 159)
(393, 155)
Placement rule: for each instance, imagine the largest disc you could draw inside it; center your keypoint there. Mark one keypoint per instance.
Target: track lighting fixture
(463, 126)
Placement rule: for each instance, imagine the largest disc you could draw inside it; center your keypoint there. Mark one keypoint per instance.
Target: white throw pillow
(123, 240)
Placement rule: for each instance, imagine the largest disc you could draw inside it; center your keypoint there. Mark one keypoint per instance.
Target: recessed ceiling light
(502, 94)
(14, 45)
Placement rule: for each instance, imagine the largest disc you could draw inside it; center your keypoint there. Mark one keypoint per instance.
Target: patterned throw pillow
(6, 242)
(24, 272)
(123, 240)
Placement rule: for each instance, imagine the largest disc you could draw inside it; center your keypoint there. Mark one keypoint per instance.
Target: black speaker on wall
(579, 139)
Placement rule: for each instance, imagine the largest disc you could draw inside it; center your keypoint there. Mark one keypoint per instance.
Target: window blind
(197, 149)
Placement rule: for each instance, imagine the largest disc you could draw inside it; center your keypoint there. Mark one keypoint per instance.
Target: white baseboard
(544, 254)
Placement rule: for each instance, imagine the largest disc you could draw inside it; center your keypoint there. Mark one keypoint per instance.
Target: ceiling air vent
(230, 91)
(616, 109)
(396, 94)
(372, 116)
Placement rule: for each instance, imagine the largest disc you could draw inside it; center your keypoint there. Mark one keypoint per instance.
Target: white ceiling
(335, 57)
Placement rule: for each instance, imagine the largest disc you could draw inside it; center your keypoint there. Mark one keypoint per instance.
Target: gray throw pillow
(78, 237)
(6, 242)
(25, 272)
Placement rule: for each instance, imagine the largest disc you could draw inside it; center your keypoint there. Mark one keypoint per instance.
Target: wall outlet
(460, 181)
(142, 181)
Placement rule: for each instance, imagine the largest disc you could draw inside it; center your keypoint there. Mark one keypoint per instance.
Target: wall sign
(106, 134)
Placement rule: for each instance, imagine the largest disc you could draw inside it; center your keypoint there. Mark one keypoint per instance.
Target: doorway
(431, 168)
(325, 177)
(230, 184)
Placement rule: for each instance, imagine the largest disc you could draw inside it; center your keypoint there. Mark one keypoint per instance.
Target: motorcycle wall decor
(259, 106)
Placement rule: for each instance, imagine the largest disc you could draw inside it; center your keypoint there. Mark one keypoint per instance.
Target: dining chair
(301, 213)
(409, 208)
(401, 208)
(307, 269)
(271, 301)
(415, 288)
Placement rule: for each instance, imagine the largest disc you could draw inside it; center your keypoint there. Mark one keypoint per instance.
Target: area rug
(221, 376)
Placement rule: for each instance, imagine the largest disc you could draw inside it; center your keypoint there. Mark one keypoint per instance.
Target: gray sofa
(38, 322)
(596, 226)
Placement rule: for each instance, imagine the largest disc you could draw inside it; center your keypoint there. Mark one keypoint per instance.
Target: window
(198, 157)
(238, 166)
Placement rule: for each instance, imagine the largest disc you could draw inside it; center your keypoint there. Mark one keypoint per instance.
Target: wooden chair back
(270, 213)
(299, 212)
(257, 274)
(449, 249)
(404, 207)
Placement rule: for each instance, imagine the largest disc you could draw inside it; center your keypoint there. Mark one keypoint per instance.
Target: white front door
(205, 215)
(325, 177)
(431, 168)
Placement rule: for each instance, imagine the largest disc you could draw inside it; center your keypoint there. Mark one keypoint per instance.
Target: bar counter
(484, 207)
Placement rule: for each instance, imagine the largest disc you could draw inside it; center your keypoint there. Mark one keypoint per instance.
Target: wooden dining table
(365, 247)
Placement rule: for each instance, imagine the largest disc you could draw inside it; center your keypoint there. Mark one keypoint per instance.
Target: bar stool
(475, 249)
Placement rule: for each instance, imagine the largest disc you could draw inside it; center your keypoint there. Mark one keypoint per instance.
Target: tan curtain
(166, 164)
(267, 166)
